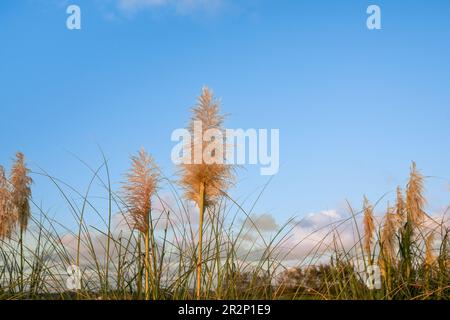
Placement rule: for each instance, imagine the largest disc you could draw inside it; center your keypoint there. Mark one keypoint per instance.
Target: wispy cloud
(180, 6)
(311, 235)
(133, 5)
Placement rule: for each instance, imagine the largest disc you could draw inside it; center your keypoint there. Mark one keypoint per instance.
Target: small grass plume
(415, 215)
(204, 182)
(400, 205)
(15, 196)
(415, 200)
(369, 229)
(8, 216)
(140, 187)
(387, 256)
(21, 191)
(390, 226)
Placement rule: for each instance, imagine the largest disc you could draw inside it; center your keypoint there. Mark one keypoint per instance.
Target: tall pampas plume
(203, 181)
(21, 191)
(415, 201)
(369, 228)
(8, 216)
(216, 176)
(141, 185)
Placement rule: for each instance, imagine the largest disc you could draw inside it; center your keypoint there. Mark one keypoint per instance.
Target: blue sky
(354, 106)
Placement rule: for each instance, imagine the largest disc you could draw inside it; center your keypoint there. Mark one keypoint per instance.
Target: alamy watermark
(374, 20)
(229, 147)
(369, 274)
(73, 282)
(73, 22)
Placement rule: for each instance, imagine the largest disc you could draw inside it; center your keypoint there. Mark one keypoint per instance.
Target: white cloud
(320, 219)
(316, 234)
(310, 236)
(263, 222)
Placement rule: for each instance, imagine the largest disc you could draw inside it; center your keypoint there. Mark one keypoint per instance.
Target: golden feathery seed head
(415, 201)
(213, 177)
(142, 182)
(390, 227)
(21, 190)
(207, 111)
(369, 226)
(400, 204)
(8, 216)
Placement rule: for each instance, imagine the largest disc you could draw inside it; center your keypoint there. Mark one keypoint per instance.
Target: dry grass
(15, 195)
(369, 229)
(388, 256)
(415, 201)
(21, 191)
(142, 182)
(8, 216)
(225, 259)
